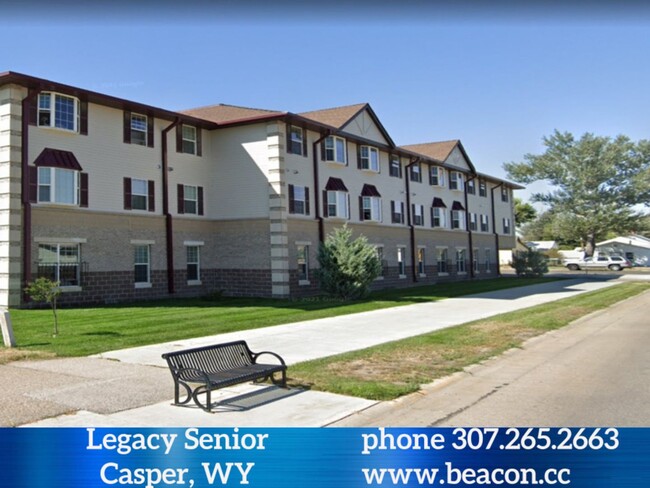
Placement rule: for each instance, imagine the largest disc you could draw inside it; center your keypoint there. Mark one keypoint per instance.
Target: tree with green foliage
(596, 183)
(45, 290)
(529, 263)
(347, 266)
(524, 212)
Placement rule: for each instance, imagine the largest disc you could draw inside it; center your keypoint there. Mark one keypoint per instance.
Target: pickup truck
(613, 263)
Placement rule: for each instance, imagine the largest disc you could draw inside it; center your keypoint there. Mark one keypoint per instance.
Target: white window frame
(505, 194)
(485, 223)
(440, 214)
(341, 203)
(142, 118)
(303, 268)
(397, 207)
(373, 206)
(300, 200)
(52, 111)
(401, 261)
(471, 187)
(53, 172)
(442, 256)
(461, 264)
(421, 261)
(147, 283)
(418, 215)
(191, 200)
(439, 174)
(482, 188)
(194, 141)
(458, 219)
(57, 265)
(369, 161)
(506, 226)
(145, 194)
(473, 221)
(415, 173)
(294, 130)
(395, 167)
(196, 262)
(456, 180)
(337, 157)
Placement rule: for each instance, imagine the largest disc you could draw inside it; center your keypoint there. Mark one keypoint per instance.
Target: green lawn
(393, 369)
(84, 331)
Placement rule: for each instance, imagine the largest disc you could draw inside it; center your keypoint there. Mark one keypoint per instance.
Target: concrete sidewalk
(261, 405)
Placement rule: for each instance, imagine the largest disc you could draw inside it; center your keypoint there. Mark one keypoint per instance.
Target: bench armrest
(195, 372)
(258, 354)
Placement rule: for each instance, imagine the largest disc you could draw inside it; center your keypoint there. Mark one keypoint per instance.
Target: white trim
(142, 242)
(60, 240)
(193, 243)
(143, 285)
(302, 243)
(70, 289)
(194, 282)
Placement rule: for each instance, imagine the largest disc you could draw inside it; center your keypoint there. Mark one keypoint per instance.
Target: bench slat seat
(203, 369)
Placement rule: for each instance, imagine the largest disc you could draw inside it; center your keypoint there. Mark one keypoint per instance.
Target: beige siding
(457, 160)
(363, 126)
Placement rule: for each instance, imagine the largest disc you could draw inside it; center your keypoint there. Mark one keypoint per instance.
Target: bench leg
(208, 398)
(188, 393)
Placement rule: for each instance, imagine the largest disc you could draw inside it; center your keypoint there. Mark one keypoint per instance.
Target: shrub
(529, 263)
(347, 267)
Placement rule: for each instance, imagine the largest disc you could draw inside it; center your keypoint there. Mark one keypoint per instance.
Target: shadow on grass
(105, 333)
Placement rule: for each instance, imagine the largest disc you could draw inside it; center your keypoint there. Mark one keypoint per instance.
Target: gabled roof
(340, 117)
(638, 241)
(439, 151)
(225, 114)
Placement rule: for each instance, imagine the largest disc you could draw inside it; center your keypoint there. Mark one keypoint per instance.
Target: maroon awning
(56, 158)
(335, 184)
(369, 191)
(457, 206)
(438, 203)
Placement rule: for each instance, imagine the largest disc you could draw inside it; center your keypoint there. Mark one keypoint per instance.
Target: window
(438, 217)
(334, 150)
(460, 261)
(482, 188)
(193, 254)
(303, 263)
(455, 180)
(57, 185)
(473, 221)
(296, 143)
(484, 223)
(60, 262)
(442, 260)
(371, 208)
(190, 199)
(380, 256)
(397, 212)
(138, 194)
(415, 172)
(418, 214)
(401, 261)
(487, 261)
(188, 139)
(437, 176)
(395, 167)
(59, 111)
(298, 200)
(421, 261)
(338, 204)
(504, 194)
(471, 187)
(475, 265)
(506, 225)
(457, 219)
(142, 265)
(139, 129)
(369, 158)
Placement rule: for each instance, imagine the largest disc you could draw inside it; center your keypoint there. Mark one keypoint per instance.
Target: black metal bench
(203, 369)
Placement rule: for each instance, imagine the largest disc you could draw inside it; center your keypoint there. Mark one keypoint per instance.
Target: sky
(498, 78)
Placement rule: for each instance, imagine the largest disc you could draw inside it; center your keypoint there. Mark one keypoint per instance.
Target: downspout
(27, 206)
(169, 231)
(409, 220)
(317, 213)
(494, 227)
(470, 237)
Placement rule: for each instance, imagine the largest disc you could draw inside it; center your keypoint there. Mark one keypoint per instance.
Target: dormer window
(369, 158)
(334, 150)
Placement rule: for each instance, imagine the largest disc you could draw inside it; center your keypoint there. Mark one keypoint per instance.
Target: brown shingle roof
(222, 113)
(436, 150)
(335, 117)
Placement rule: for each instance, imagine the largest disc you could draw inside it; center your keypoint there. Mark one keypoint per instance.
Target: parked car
(613, 263)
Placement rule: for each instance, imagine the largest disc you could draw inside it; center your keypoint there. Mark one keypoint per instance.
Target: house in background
(634, 248)
(543, 246)
(120, 201)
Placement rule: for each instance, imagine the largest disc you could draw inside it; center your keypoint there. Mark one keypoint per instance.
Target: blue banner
(315, 457)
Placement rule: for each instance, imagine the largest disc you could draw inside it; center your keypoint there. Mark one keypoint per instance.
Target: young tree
(596, 183)
(347, 267)
(45, 290)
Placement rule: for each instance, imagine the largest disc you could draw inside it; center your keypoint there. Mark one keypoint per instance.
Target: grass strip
(397, 368)
(85, 331)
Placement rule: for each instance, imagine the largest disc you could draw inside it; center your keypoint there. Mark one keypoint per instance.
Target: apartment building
(122, 201)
